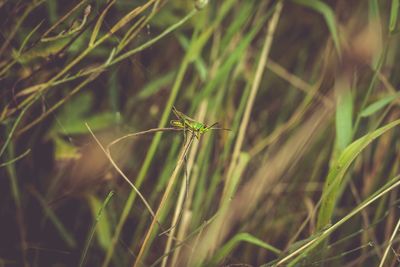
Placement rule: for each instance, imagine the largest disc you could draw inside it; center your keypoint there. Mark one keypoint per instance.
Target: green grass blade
(103, 226)
(28, 37)
(378, 105)
(394, 12)
(99, 22)
(156, 85)
(14, 127)
(329, 16)
(93, 228)
(230, 62)
(15, 159)
(235, 241)
(199, 63)
(374, 12)
(238, 24)
(336, 173)
(344, 119)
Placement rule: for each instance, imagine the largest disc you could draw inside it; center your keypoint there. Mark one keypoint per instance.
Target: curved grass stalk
(109, 157)
(13, 128)
(15, 159)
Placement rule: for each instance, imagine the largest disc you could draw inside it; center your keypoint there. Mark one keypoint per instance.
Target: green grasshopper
(186, 123)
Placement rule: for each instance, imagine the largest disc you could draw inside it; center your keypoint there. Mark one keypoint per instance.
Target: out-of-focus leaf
(52, 10)
(344, 117)
(378, 105)
(114, 90)
(200, 65)
(154, 86)
(96, 122)
(238, 24)
(394, 11)
(64, 150)
(72, 118)
(77, 107)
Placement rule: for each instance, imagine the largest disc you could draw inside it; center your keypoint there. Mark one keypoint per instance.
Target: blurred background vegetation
(306, 176)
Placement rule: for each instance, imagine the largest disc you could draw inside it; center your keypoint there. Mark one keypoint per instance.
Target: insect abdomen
(176, 123)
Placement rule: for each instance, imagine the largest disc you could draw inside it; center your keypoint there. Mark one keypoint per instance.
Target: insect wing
(182, 116)
(177, 113)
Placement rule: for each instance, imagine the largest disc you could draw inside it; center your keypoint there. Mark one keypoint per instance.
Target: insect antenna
(212, 125)
(217, 128)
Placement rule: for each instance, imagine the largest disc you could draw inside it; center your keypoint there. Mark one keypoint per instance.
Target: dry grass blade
(107, 153)
(253, 92)
(389, 245)
(174, 175)
(130, 16)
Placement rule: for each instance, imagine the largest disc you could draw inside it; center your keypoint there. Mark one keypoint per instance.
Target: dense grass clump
(302, 168)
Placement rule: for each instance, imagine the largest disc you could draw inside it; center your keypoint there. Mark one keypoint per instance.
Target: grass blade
(235, 241)
(344, 119)
(378, 105)
(394, 12)
(99, 22)
(329, 16)
(93, 228)
(338, 170)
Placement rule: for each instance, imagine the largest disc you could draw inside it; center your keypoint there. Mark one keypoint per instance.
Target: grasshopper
(186, 123)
